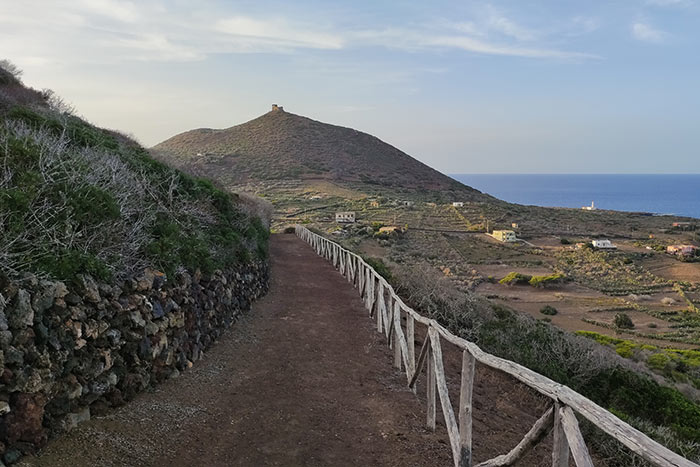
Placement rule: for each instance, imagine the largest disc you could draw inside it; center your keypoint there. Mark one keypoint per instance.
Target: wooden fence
(397, 322)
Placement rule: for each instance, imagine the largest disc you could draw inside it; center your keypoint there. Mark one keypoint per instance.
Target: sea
(659, 194)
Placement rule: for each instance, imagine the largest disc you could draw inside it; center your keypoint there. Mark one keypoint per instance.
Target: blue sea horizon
(672, 194)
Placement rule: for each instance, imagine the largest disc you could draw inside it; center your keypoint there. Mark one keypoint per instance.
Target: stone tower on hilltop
(277, 108)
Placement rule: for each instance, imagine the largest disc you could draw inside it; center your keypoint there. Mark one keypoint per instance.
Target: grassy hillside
(75, 198)
(282, 146)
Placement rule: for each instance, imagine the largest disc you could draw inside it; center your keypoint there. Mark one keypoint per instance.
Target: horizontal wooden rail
(389, 311)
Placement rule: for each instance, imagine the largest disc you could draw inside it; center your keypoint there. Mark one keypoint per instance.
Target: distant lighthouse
(590, 208)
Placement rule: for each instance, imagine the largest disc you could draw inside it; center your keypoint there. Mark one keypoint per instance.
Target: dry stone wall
(69, 352)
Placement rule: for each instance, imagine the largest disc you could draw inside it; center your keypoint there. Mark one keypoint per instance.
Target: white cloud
(671, 3)
(461, 36)
(112, 31)
(475, 45)
(507, 27)
(646, 33)
(584, 25)
(154, 46)
(123, 11)
(278, 32)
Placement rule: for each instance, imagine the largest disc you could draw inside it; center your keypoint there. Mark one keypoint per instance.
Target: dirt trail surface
(302, 380)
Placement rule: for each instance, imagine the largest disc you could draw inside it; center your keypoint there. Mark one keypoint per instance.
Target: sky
(549, 86)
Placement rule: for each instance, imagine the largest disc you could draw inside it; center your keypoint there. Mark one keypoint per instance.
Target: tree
(623, 321)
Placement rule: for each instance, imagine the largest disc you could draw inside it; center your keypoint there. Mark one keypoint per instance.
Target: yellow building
(504, 235)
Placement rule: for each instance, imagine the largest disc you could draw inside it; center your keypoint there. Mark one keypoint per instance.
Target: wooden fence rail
(389, 310)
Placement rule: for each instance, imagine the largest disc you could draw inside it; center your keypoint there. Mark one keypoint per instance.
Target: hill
(280, 146)
(75, 199)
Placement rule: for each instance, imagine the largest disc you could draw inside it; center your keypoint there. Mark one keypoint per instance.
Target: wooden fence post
(380, 314)
(465, 409)
(560, 447)
(411, 341)
(579, 451)
(396, 315)
(430, 390)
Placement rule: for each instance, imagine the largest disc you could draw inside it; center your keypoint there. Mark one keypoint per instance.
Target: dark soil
(303, 379)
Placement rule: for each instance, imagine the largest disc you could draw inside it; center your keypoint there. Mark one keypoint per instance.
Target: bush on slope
(79, 199)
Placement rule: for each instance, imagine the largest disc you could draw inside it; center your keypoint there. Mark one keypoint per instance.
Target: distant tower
(276, 108)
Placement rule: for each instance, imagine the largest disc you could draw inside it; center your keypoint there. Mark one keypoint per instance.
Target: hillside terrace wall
(67, 352)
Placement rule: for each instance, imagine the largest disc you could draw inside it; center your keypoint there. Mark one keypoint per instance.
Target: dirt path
(302, 380)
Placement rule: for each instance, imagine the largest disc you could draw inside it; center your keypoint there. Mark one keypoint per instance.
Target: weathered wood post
(411, 341)
(579, 450)
(396, 315)
(560, 448)
(430, 390)
(380, 314)
(465, 409)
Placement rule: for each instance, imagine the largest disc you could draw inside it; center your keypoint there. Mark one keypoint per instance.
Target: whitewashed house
(604, 245)
(458, 204)
(347, 217)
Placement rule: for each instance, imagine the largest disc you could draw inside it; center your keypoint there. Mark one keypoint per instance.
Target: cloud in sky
(279, 32)
(471, 44)
(148, 30)
(123, 11)
(647, 33)
(502, 24)
(666, 3)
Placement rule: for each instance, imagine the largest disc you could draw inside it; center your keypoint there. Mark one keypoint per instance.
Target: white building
(458, 204)
(589, 208)
(604, 245)
(347, 217)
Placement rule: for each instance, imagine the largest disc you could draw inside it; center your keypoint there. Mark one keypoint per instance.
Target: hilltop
(281, 146)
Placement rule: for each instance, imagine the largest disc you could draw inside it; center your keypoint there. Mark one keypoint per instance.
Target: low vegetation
(614, 383)
(79, 199)
(544, 281)
(680, 365)
(611, 273)
(516, 278)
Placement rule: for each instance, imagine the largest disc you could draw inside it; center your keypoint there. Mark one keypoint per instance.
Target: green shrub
(623, 321)
(68, 263)
(565, 241)
(658, 361)
(548, 310)
(380, 266)
(514, 278)
(625, 349)
(543, 281)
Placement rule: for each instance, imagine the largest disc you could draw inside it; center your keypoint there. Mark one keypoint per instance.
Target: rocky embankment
(69, 352)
